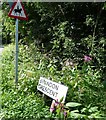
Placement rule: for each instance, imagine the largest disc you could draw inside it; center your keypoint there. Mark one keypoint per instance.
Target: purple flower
(65, 113)
(51, 110)
(87, 58)
(56, 103)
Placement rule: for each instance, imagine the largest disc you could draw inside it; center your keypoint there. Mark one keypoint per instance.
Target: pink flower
(56, 103)
(87, 58)
(51, 110)
(65, 113)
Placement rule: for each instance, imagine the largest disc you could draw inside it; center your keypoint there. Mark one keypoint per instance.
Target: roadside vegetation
(62, 41)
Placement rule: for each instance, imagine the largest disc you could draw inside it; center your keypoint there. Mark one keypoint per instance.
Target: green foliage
(52, 43)
(19, 106)
(8, 28)
(21, 102)
(24, 102)
(72, 104)
(63, 31)
(64, 112)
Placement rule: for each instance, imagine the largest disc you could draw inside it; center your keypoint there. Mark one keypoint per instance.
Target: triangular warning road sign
(18, 11)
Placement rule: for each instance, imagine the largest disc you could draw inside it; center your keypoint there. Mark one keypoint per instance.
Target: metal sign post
(17, 11)
(10, 2)
(16, 57)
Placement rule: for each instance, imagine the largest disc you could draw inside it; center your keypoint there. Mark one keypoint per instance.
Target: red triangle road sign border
(18, 17)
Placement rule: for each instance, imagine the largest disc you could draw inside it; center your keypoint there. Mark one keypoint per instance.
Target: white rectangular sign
(52, 89)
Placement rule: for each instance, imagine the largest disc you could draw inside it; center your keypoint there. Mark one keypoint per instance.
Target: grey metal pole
(16, 59)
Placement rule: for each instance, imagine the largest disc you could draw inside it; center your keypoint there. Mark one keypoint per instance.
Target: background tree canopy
(63, 30)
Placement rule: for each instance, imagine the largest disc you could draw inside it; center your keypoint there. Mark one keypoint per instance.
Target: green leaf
(61, 99)
(75, 111)
(93, 109)
(104, 84)
(72, 104)
(77, 115)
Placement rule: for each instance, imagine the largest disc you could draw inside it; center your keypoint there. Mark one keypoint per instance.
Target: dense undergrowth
(25, 102)
(62, 41)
